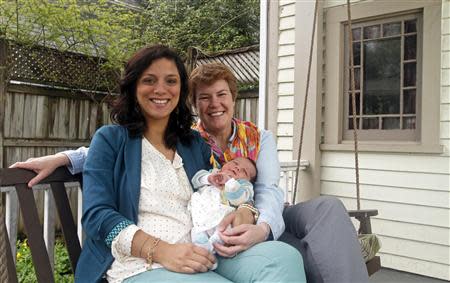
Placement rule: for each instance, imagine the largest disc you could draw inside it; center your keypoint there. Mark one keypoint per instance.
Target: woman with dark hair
(136, 190)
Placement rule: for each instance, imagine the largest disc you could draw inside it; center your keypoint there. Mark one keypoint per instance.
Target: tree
(114, 32)
(97, 29)
(210, 25)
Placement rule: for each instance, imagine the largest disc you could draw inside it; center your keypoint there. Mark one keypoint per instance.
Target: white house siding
(410, 191)
(286, 59)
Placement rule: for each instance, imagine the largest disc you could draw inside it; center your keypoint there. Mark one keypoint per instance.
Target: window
(392, 57)
(387, 68)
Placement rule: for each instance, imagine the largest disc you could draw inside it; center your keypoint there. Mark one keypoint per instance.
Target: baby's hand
(218, 179)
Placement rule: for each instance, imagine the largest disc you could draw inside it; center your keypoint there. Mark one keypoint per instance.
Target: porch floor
(386, 275)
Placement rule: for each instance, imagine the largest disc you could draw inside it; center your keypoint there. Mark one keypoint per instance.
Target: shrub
(25, 269)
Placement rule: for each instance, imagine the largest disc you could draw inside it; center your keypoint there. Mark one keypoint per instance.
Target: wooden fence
(246, 107)
(49, 101)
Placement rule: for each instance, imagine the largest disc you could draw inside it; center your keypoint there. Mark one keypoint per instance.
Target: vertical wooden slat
(93, 118)
(74, 104)
(83, 128)
(254, 110)
(11, 214)
(52, 120)
(7, 113)
(79, 215)
(3, 54)
(49, 225)
(29, 121)
(105, 112)
(248, 110)
(17, 116)
(42, 117)
(241, 109)
(63, 118)
(8, 271)
(67, 222)
(286, 182)
(33, 228)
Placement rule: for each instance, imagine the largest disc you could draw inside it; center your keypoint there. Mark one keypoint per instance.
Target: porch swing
(368, 241)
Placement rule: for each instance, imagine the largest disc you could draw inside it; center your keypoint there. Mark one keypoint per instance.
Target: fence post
(3, 82)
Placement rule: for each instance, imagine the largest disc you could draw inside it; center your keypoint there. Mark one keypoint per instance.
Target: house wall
(285, 80)
(410, 190)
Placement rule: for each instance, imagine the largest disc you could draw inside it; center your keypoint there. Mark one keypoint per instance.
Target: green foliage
(114, 32)
(210, 25)
(25, 269)
(89, 27)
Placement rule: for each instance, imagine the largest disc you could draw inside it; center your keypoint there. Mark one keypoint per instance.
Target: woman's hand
(43, 166)
(183, 258)
(243, 235)
(241, 238)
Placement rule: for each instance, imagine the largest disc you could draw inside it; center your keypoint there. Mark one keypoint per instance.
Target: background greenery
(114, 31)
(25, 269)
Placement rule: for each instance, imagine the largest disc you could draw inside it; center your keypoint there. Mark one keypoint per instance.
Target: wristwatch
(252, 209)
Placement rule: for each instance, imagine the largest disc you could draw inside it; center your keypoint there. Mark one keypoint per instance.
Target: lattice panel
(54, 68)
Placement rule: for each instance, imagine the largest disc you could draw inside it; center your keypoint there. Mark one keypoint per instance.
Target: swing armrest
(363, 213)
(363, 216)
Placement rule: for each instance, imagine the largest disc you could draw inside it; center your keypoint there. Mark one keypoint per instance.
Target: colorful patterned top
(244, 142)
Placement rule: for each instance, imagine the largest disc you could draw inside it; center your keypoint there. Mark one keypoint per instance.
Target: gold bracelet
(140, 250)
(151, 251)
(253, 210)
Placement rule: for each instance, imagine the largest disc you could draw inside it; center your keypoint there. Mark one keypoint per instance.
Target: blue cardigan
(111, 188)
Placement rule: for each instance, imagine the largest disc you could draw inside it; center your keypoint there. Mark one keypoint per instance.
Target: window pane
(350, 123)
(356, 53)
(391, 123)
(392, 29)
(409, 123)
(370, 123)
(409, 101)
(410, 47)
(372, 32)
(410, 26)
(382, 76)
(409, 74)
(357, 79)
(350, 108)
(356, 32)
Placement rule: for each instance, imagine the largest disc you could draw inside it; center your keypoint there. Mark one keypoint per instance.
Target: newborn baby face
(240, 168)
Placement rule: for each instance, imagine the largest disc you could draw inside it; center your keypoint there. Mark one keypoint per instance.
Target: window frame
(380, 134)
(333, 77)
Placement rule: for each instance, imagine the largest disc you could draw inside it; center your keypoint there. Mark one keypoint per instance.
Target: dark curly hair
(125, 110)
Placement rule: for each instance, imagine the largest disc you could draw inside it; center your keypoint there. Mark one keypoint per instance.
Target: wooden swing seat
(363, 216)
(19, 178)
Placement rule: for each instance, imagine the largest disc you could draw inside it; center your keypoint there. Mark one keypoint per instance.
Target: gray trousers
(325, 236)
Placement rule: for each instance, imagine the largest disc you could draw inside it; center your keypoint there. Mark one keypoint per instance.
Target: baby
(219, 193)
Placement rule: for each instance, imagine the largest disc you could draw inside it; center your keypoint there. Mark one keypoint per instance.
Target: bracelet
(151, 251)
(143, 245)
(253, 209)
